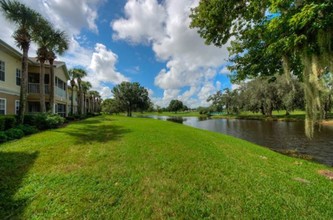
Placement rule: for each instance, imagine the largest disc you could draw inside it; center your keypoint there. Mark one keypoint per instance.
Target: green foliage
(14, 133)
(7, 122)
(111, 106)
(44, 121)
(3, 137)
(175, 105)
(2, 123)
(130, 97)
(269, 37)
(27, 129)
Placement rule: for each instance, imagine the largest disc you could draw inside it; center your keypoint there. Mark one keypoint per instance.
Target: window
(18, 77)
(2, 70)
(2, 106)
(17, 106)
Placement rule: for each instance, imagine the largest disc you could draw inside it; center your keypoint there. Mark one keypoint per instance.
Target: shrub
(3, 137)
(7, 122)
(2, 123)
(28, 129)
(14, 133)
(54, 121)
(44, 121)
(10, 122)
(29, 119)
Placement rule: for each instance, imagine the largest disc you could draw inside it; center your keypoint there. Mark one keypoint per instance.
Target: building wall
(11, 64)
(8, 88)
(10, 92)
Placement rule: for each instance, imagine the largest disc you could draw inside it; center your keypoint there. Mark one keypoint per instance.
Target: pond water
(280, 136)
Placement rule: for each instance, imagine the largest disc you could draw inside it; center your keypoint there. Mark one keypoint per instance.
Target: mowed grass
(113, 167)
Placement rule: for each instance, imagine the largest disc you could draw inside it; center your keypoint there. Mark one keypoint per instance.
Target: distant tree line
(264, 95)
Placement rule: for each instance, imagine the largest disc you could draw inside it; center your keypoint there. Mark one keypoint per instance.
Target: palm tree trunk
(52, 86)
(72, 102)
(84, 103)
(24, 84)
(42, 86)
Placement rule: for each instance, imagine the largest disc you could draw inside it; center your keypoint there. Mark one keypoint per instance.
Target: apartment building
(10, 80)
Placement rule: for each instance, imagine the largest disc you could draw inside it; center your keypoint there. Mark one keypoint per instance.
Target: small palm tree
(85, 88)
(25, 19)
(58, 44)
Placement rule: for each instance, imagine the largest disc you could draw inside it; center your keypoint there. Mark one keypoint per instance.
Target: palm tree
(71, 74)
(85, 88)
(78, 74)
(58, 43)
(90, 101)
(94, 95)
(41, 35)
(25, 19)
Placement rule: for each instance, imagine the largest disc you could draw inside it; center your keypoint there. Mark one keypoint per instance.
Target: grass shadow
(89, 131)
(13, 168)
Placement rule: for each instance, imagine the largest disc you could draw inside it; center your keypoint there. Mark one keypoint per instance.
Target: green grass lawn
(113, 167)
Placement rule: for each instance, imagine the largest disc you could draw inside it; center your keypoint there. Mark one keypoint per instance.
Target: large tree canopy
(131, 96)
(274, 36)
(175, 105)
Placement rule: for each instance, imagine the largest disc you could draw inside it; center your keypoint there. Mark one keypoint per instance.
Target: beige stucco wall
(11, 64)
(10, 102)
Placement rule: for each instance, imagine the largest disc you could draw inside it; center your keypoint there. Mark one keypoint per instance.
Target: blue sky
(145, 41)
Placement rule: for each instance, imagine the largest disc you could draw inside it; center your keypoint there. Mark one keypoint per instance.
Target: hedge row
(9, 130)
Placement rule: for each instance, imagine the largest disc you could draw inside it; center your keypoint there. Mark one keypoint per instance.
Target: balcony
(60, 92)
(33, 88)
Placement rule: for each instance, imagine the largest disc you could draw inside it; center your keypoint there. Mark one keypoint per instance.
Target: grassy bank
(134, 168)
(178, 114)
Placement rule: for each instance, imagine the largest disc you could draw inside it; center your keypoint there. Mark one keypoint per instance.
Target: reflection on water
(277, 135)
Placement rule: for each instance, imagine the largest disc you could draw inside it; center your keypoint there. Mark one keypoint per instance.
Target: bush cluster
(43, 121)
(32, 124)
(7, 122)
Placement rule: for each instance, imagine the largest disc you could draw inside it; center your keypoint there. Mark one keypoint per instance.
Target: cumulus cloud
(103, 69)
(225, 71)
(144, 22)
(70, 16)
(190, 63)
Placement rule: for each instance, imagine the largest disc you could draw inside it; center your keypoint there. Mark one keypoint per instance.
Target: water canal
(279, 136)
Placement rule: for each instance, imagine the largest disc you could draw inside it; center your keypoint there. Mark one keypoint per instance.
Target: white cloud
(103, 68)
(189, 61)
(70, 16)
(106, 92)
(143, 23)
(225, 71)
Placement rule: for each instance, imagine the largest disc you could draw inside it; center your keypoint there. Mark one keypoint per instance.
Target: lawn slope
(135, 168)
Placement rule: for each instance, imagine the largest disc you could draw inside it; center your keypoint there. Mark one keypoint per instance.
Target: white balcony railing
(60, 92)
(33, 88)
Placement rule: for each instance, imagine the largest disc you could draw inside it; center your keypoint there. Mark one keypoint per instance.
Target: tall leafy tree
(25, 19)
(131, 96)
(175, 105)
(291, 30)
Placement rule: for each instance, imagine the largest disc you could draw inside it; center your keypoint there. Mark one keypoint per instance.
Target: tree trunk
(84, 103)
(42, 86)
(72, 101)
(52, 86)
(24, 84)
